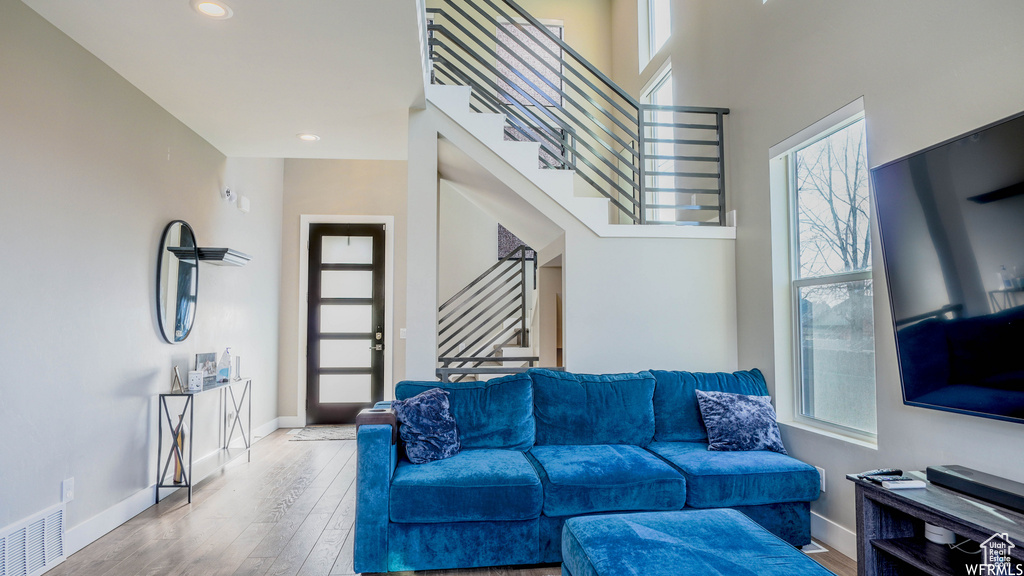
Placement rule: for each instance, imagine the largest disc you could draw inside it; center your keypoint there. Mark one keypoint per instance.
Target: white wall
(928, 71)
(640, 303)
(90, 173)
(333, 188)
(422, 234)
(467, 241)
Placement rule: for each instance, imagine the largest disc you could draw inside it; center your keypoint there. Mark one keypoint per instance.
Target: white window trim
(664, 73)
(651, 50)
(784, 286)
(646, 58)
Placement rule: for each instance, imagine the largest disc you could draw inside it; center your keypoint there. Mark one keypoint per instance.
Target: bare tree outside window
(833, 290)
(832, 190)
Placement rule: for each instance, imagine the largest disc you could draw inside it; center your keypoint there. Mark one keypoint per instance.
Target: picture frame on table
(207, 364)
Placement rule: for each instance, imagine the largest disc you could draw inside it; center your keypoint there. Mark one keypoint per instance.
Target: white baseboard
(267, 429)
(831, 534)
(291, 422)
(94, 528)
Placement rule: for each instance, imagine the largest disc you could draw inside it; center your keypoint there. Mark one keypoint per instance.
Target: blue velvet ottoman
(706, 542)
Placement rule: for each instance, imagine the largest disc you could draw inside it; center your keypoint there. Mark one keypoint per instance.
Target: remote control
(881, 472)
(880, 479)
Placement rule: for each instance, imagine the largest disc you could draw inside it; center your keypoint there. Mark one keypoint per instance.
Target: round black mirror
(177, 282)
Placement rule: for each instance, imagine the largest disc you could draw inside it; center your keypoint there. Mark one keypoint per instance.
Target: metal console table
(178, 408)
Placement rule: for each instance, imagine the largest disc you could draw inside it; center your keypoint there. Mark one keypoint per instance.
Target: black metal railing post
(642, 163)
(720, 123)
(523, 338)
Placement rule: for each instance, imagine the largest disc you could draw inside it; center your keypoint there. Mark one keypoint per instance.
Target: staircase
(483, 320)
(606, 158)
(620, 167)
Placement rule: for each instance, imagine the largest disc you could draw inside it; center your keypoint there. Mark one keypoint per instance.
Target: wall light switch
(821, 475)
(67, 490)
(401, 333)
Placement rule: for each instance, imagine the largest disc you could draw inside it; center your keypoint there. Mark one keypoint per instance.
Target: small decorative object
(195, 381)
(176, 385)
(224, 366)
(238, 368)
(180, 440)
(207, 364)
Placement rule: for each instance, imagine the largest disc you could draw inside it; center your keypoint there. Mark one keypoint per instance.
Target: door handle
(377, 347)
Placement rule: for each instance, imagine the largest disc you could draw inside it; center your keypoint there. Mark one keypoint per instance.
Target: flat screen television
(951, 221)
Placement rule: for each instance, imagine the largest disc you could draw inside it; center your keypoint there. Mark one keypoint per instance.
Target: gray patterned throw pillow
(428, 427)
(737, 422)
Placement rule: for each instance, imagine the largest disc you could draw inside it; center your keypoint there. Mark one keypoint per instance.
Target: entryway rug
(343, 432)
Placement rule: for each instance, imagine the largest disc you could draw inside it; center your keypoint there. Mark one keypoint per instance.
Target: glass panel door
(345, 340)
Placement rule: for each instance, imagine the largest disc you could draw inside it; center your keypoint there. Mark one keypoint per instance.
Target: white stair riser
(523, 156)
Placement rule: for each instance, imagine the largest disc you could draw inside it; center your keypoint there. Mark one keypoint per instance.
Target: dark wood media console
(890, 530)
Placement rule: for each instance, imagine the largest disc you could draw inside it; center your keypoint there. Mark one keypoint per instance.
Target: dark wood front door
(345, 340)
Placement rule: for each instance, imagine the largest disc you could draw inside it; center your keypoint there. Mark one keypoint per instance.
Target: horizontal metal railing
(447, 370)
(640, 157)
(489, 312)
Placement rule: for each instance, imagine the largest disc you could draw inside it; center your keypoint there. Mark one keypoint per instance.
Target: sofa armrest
(377, 454)
(380, 414)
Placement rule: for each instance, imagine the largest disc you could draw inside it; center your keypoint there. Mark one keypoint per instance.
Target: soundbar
(987, 487)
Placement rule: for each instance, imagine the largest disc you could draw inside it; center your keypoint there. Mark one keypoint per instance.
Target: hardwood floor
(287, 513)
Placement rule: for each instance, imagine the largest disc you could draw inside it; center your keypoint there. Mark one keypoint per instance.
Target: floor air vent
(33, 546)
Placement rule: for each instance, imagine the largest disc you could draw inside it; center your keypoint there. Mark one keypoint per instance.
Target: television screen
(951, 222)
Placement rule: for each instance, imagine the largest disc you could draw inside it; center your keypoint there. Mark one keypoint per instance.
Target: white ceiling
(346, 70)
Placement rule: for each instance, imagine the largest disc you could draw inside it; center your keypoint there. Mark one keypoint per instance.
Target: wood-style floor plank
(289, 512)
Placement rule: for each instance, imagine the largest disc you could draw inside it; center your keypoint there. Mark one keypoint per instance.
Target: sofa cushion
(493, 414)
(722, 479)
(475, 485)
(676, 414)
(593, 409)
(707, 542)
(605, 478)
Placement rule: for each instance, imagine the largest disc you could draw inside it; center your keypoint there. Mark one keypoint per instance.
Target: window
(659, 19)
(661, 95)
(831, 279)
(521, 40)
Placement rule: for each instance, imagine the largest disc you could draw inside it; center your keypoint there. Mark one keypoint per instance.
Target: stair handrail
(521, 251)
(569, 50)
(582, 120)
(488, 327)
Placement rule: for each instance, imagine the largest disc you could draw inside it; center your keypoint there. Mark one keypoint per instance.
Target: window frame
(663, 77)
(801, 394)
(653, 50)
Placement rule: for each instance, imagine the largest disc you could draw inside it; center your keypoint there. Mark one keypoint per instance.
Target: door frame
(389, 298)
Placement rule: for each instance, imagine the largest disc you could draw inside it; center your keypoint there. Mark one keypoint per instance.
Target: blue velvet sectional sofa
(545, 446)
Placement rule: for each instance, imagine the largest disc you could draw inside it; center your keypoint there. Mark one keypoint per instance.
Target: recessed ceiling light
(307, 137)
(212, 9)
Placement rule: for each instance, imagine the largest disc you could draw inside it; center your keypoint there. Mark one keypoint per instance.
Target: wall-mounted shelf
(223, 256)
